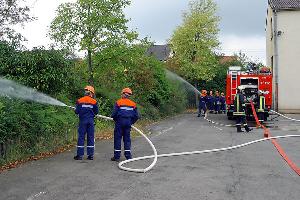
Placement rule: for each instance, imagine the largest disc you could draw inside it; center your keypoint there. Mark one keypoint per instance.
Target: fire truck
(250, 82)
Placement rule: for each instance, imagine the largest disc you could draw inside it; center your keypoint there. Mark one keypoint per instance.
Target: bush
(29, 128)
(156, 95)
(45, 70)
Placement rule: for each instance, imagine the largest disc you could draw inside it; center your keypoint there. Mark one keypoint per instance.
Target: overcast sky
(241, 28)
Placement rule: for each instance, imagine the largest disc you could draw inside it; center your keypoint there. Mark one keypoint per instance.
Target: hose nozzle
(70, 107)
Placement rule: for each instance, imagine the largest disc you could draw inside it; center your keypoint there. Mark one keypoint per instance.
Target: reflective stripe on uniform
(90, 146)
(127, 150)
(126, 108)
(86, 106)
(262, 102)
(80, 146)
(239, 113)
(117, 150)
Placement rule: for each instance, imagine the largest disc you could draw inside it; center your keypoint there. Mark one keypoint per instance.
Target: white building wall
(269, 38)
(288, 22)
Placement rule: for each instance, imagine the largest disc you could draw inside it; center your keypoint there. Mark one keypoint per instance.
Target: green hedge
(30, 128)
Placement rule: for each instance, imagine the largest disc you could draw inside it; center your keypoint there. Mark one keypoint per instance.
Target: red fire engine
(250, 82)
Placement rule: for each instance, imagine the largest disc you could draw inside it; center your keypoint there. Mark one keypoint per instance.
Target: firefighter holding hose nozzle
(239, 111)
(202, 103)
(86, 109)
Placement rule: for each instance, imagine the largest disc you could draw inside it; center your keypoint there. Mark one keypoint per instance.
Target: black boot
(77, 157)
(239, 129)
(90, 157)
(248, 129)
(114, 159)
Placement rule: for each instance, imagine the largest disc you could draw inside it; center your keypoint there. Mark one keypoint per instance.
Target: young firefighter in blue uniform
(239, 111)
(223, 103)
(86, 108)
(202, 103)
(217, 102)
(125, 114)
(210, 102)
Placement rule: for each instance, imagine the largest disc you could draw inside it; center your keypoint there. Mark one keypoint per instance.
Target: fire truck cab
(250, 82)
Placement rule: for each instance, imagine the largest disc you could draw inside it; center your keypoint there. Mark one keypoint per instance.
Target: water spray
(11, 89)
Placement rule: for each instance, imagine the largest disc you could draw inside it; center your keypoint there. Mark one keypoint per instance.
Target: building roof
(161, 52)
(226, 59)
(284, 4)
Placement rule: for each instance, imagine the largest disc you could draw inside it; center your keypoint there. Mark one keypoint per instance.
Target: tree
(91, 25)
(195, 40)
(11, 14)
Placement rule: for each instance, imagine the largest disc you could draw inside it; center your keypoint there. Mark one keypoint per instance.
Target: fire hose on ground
(289, 118)
(156, 156)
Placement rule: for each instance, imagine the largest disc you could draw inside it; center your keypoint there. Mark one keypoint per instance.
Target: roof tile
(285, 4)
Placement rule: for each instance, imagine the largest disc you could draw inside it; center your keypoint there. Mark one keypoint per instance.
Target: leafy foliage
(92, 26)
(194, 41)
(11, 14)
(32, 128)
(219, 81)
(128, 66)
(44, 70)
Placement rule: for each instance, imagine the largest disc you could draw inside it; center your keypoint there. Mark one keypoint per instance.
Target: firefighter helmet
(90, 89)
(127, 91)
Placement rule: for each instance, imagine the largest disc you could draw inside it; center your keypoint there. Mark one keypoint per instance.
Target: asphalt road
(254, 172)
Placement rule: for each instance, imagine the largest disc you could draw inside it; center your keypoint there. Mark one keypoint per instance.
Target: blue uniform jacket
(86, 108)
(222, 100)
(217, 100)
(125, 109)
(202, 101)
(210, 102)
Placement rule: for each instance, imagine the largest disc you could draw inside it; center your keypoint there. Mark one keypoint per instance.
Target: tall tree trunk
(91, 77)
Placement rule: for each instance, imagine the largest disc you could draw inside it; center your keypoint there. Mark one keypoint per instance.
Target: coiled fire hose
(156, 156)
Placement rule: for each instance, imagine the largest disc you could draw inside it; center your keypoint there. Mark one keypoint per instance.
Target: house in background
(160, 52)
(283, 53)
(227, 59)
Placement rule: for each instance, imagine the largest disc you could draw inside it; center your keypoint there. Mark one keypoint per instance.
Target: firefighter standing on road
(202, 103)
(223, 103)
(261, 102)
(125, 114)
(86, 108)
(210, 102)
(217, 102)
(239, 111)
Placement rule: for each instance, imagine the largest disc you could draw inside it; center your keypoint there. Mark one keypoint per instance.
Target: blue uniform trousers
(122, 130)
(202, 107)
(241, 121)
(223, 107)
(86, 127)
